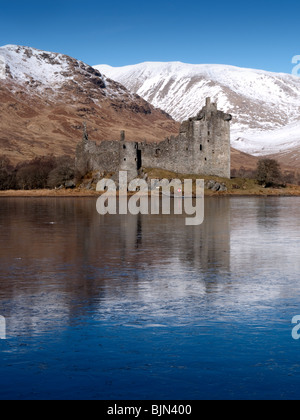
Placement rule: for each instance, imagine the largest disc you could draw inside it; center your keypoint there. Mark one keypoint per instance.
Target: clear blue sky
(256, 34)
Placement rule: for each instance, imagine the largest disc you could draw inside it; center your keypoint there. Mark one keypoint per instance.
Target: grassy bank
(49, 193)
(235, 187)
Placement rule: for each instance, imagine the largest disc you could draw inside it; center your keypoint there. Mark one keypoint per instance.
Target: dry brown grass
(49, 193)
(33, 126)
(237, 187)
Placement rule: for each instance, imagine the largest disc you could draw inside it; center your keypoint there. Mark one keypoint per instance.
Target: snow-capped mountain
(45, 97)
(265, 106)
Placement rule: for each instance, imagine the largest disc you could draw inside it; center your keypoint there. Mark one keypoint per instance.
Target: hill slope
(45, 98)
(265, 106)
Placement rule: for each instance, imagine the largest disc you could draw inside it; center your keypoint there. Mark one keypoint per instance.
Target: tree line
(39, 173)
(268, 174)
(54, 172)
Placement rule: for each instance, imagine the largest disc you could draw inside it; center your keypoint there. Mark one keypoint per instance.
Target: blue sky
(257, 34)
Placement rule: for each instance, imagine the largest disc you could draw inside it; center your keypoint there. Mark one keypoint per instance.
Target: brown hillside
(39, 116)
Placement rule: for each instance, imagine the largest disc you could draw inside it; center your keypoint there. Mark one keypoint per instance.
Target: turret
(128, 157)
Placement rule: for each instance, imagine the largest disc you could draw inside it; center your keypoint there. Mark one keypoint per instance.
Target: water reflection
(61, 260)
(144, 307)
(267, 212)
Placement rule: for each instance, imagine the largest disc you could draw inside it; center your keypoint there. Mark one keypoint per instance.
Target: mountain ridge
(265, 105)
(45, 97)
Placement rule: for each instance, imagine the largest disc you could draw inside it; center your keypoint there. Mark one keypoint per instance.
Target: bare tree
(7, 174)
(63, 172)
(34, 174)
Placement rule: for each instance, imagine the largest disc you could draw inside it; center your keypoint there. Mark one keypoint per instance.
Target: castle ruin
(201, 148)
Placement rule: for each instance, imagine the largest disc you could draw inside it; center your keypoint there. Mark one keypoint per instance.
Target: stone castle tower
(128, 157)
(209, 135)
(201, 148)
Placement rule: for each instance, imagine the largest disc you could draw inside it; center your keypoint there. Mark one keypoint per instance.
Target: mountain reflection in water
(222, 293)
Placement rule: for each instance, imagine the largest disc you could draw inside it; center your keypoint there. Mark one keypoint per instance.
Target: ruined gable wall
(171, 154)
(202, 147)
(97, 157)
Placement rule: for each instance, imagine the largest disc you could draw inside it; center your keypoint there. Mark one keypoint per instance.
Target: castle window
(124, 147)
(157, 152)
(208, 133)
(201, 147)
(124, 159)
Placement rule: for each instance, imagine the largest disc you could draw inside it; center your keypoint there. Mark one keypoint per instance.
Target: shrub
(63, 172)
(34, 174)
(289, 178)
(39, 173)
(242, 172)
(268, 173)
(7, 174)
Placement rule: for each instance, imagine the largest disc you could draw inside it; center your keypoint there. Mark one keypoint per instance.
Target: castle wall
(171, 154)
(104, 156)
(202, 147)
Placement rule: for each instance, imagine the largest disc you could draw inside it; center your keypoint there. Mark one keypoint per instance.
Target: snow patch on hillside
(45, 73)
(265, 106)
(2, 67)
(27, 64)
(259, 143)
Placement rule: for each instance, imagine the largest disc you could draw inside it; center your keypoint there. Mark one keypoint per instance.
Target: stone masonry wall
(202, 147)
